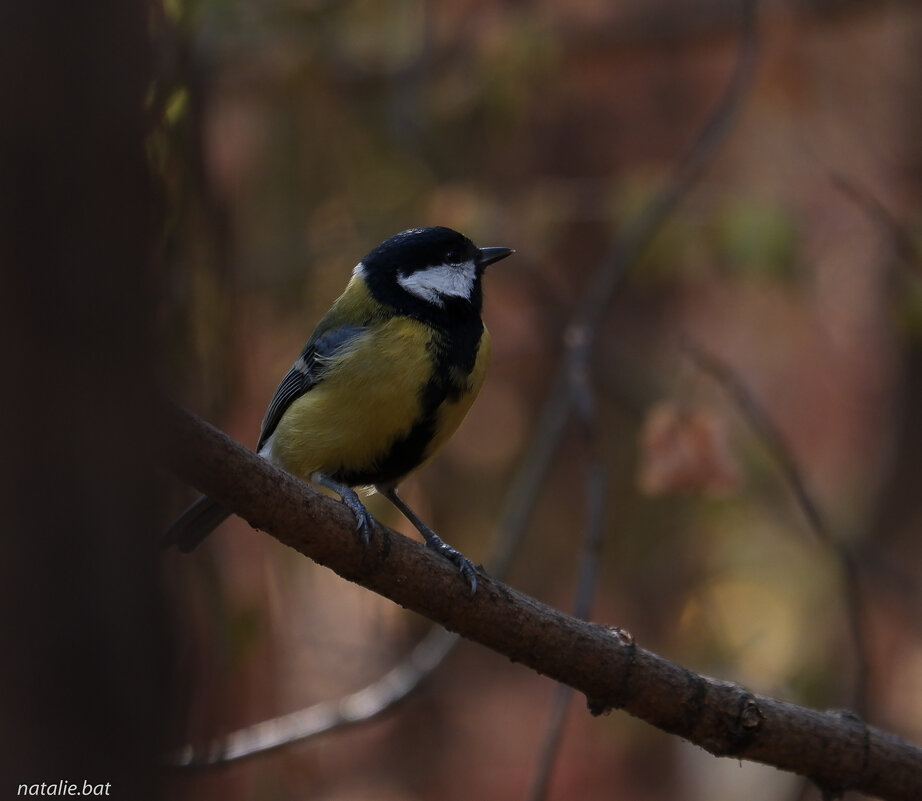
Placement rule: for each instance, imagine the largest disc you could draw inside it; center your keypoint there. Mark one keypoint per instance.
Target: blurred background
(293, 135)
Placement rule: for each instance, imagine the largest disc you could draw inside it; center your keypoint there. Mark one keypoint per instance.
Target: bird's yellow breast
(370, 401)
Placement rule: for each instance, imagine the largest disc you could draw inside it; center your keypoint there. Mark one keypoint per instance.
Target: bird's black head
(428, 271)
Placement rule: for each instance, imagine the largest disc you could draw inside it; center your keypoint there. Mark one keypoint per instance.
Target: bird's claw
(465, 566)
(364, 524)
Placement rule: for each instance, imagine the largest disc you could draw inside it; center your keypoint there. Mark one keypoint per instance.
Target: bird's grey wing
(305, 373)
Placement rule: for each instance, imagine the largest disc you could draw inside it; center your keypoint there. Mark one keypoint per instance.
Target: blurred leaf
(685, 450)
(678, 251)
(756, 238)
(176, 105)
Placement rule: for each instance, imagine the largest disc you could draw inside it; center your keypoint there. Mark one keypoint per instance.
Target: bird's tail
(196, 523)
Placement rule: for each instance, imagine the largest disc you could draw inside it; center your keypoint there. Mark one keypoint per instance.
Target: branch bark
(836, 750)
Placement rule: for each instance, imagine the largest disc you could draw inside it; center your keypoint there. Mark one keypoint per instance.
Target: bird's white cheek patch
(435, 283)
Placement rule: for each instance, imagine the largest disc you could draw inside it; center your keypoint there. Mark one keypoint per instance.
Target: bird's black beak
(489, 255)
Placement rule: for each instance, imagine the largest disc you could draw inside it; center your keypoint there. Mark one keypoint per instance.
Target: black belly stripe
(453, 359)
(403, 456)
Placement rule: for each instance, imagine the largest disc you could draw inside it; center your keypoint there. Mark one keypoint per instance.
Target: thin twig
(769, 434)
(550, 745)
(349, 710)
(628, 248)
(765, 428)
(909, 255)
(905, 249)
(575, 385)
(596, 297)
(583, 401)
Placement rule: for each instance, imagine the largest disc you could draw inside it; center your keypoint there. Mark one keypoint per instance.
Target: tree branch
(325, 716)
(836, 750)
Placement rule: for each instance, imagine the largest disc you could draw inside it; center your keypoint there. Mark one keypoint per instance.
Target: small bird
(384, 380)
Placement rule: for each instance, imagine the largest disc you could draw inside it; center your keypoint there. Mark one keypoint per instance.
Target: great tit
(383, 381)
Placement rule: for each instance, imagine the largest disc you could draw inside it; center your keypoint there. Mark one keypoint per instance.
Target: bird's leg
(365, 523)
(464, 565)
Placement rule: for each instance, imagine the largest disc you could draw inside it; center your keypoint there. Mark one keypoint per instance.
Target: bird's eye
(453, 257)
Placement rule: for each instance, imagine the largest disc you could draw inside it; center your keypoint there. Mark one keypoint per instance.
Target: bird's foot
(364, 522)
(465, 566)
(434, 541)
